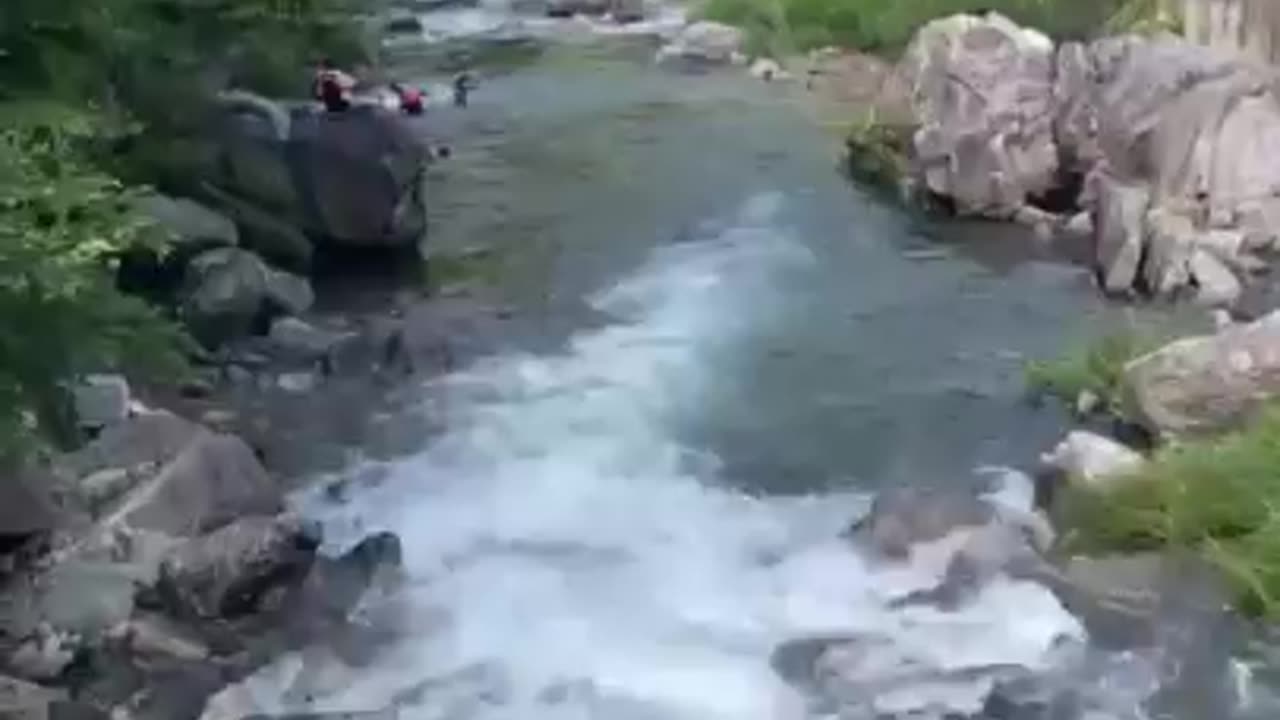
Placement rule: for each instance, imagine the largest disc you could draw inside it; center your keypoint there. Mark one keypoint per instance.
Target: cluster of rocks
(157, 565)
(1154, 147)
(1164, 614)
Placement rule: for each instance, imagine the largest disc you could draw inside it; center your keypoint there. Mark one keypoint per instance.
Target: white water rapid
(568, 558)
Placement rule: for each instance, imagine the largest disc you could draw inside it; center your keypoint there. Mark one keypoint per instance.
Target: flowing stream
(721, 351)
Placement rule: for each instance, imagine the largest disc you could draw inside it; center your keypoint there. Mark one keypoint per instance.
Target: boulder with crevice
(983, 101)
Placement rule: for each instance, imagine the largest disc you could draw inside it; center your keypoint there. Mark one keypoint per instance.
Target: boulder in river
(982, 97)
(353, 178)
(704, 42)
(1206, 384)
(902, 517)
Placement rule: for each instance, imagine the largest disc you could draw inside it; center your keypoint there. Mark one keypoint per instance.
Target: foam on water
(565, 547)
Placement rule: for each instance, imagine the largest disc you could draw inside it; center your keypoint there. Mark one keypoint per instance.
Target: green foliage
(1097, 367)
(62, 225)
(779, 27)
(877, 149)
(1218, 497)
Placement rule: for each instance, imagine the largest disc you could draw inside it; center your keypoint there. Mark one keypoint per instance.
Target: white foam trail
(559, 536)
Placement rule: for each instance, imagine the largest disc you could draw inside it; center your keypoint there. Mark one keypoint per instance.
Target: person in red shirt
(332, 86)
(412, 99)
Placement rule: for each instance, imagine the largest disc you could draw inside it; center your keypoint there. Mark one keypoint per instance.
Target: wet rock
(150, 635)
(214, 480)
(21, 700)
(1216, 285)
(45, 655)
(983, 102)
(1091, 459)
(703, 42)
(296, 382)
(1118, 231)
(297, 339)
(1206, 384)
(189, 222)
(902, 517)
(229, 572)
(228, 289)
(101, 400)
(1171, 242)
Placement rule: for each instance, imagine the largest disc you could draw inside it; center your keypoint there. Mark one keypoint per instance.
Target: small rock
(1087, 402)
(902, 517)
(301, 340)
(45, 655)
(196, 388)
(1091, 458)
(1216, 284)
(297, 382)
(1221, 319)
(766, 69)
(101, 400)
(1079, 225)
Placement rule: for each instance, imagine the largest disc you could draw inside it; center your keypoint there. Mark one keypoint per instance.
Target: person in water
(463, 84)
(412, 99)
(332, 87)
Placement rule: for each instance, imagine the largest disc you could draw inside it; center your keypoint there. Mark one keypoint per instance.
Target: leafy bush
(62, 225)
(1220, 498)
(1098, 367)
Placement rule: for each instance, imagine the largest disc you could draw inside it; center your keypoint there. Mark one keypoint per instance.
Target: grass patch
(1097, 367)
(1220, 498)
(777, 27)
(877, 149)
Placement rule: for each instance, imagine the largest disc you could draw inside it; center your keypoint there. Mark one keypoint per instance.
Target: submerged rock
(902, 517)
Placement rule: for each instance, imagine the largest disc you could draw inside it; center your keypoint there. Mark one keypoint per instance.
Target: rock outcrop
(1164, 142)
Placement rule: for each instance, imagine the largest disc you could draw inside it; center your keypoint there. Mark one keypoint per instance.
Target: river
(720, 350)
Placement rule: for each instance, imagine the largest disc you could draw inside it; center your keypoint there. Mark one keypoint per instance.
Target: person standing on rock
(332, 87)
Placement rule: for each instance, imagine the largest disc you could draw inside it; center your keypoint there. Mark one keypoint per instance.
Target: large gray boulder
(231, 572)
(227, 289)
(983, 99)
(1206, 384)
(354, 177)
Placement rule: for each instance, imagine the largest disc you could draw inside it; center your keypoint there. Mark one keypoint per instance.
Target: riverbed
(717, 350)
